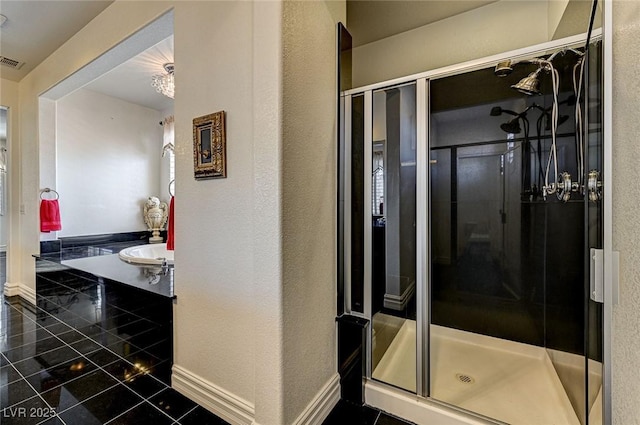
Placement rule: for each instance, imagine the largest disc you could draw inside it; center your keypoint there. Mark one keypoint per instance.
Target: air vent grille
(11, 63)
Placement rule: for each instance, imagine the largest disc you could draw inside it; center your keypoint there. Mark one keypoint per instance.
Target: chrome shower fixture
(594, 186)
(565, 186)
(503, 68)
(529, 84)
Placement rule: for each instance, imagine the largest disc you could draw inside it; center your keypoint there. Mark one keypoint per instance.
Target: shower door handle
(596, 275)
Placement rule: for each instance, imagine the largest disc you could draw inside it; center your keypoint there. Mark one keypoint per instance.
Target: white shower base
(511, 382)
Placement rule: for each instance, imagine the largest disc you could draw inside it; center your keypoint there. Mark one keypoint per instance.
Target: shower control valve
(594, 185)
(564, 187)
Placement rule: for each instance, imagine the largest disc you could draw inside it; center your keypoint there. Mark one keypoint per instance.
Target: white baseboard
(322, 404)
(229, 407)
(20, 290)
(421, 412)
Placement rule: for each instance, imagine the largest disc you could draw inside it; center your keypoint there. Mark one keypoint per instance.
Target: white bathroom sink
(147, 254)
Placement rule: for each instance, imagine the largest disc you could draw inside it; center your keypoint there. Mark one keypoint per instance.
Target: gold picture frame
(209, 146)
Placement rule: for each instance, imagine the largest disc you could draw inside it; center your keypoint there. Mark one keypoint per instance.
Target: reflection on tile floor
(92, 352)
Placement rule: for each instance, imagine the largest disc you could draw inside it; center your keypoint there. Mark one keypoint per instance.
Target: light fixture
(3, 19)
(164, 83)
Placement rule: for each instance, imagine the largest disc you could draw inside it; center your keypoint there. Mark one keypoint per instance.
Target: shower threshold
(508, 381)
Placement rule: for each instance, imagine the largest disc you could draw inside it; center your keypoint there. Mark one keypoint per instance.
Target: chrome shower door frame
(392, 399)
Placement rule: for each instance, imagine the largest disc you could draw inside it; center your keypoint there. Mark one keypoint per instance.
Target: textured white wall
(309, 201)
(229, 315)
(108, 163)
(214, 327)
(4, 219)
(626, 214)
(267, 213)
(495, 28)
(47, 137)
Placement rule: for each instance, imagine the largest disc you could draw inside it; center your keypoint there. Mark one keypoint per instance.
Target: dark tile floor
(95, 352)
(90, 352)
(350, 414)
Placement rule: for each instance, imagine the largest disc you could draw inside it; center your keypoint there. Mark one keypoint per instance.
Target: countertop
(103, 261)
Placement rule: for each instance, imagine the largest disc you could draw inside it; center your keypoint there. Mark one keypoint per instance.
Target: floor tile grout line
(44, 352)
(157, 408)
(102, 368)
(31, 386)
(125, 412)
(38, 394)
(30, 343)
(81, 355)
(120, 358)
(4, 408)
(48, 419)
(105, 330)
(101, 346)
(91, 339)
(183, 416)
(118, 383)
(21, 378)
(82, 293)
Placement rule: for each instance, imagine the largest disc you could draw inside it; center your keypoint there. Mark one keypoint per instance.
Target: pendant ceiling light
(164, 83)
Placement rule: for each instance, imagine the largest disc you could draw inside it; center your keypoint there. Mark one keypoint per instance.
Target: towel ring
(172, 182)
(48, 190)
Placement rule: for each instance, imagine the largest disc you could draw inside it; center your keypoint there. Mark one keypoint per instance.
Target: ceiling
(35, 29)
(131, 81)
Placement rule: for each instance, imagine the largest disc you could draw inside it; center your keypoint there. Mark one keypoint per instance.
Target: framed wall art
(209, 146)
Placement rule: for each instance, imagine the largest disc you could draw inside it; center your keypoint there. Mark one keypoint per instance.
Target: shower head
(503, 68)
(512, 126)
(529, 84)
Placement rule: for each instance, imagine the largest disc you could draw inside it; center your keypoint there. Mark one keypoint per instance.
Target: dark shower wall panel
(553, 271)
(565, 290)
(357, 204)
(441, 205)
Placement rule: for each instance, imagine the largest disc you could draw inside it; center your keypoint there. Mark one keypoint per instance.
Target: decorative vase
(155, 216)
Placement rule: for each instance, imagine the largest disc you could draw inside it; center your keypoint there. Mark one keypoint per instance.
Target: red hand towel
(170, 241)
(50, 215)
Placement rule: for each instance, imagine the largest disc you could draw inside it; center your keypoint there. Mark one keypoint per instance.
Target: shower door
(511, 319)
(473, 270)
(392, 212)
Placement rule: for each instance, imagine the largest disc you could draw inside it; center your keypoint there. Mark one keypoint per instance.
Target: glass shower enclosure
(474, 213)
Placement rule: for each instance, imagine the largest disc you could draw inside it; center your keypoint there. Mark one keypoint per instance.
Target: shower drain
(465, 379)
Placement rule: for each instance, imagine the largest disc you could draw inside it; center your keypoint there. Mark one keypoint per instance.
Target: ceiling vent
(11, 63)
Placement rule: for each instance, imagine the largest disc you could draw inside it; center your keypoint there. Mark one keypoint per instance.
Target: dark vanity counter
(102, 261)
